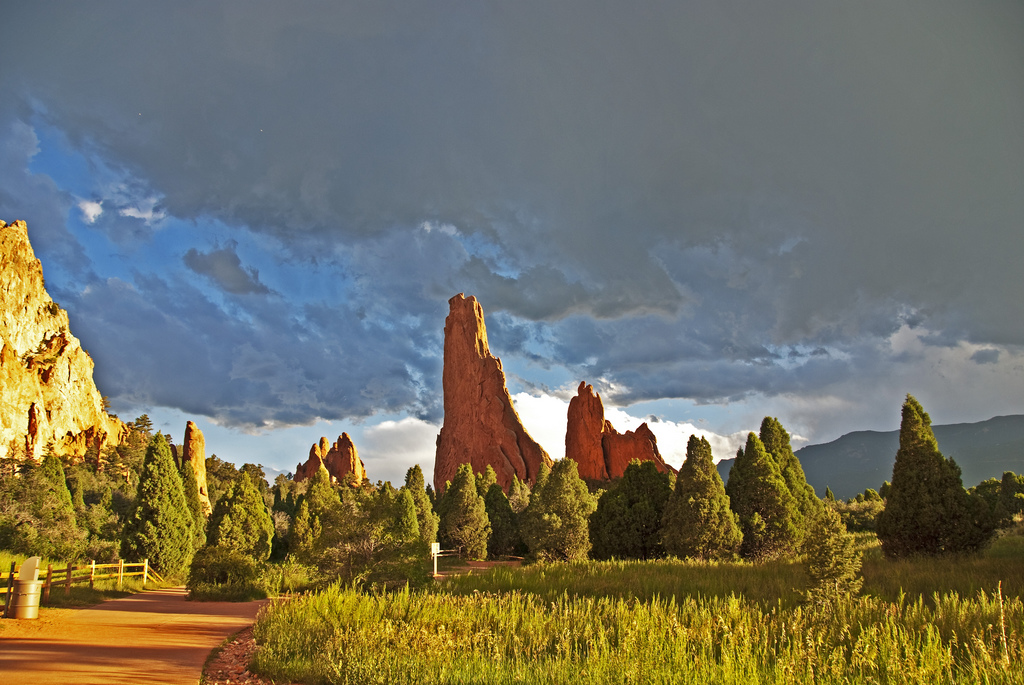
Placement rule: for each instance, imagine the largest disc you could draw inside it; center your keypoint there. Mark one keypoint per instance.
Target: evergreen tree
(160, 527)
(776, 443)
(241, 520)
(191, 490)
(764, 505)
(485, 480)
(829, 497)
(833, 564)
(504, 531)
(698, 521)
(556, 522)
(464, 524)
(426, 520)
(518, 495)
(627, 521)
(927, 510)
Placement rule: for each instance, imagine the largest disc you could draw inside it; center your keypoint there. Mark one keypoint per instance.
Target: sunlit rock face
(193, 456)
(601, 452)
(47, 393)
(340, 459)
(481, 427)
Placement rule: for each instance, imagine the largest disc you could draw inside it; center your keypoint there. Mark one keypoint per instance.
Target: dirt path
(151, 637)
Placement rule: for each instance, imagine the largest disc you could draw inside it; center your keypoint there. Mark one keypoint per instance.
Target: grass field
(663, 622)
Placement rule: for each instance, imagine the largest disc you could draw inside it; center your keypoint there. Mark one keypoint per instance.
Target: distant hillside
(864, 459)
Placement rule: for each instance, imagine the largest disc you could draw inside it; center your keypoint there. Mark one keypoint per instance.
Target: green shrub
(225, 574)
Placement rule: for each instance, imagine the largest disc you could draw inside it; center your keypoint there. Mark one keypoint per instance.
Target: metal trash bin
(25, 600)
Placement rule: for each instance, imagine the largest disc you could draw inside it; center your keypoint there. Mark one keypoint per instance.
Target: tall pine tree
(762, 501)
(160, 527)
(927, 510)
(426, 519)
(698, 521)
(464, 524)
(776, 443)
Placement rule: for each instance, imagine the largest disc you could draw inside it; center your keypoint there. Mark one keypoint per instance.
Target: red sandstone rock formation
(340, 459)
(481, 427)
(601, 452)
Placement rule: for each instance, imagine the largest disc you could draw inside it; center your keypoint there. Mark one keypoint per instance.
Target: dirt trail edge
(151, 637)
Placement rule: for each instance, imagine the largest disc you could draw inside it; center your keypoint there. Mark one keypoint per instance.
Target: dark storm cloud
(689, 199)
(224, 268)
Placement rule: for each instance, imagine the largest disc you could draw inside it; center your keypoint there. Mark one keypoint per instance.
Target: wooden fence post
(92, 574)
(10, 589)
(120, 572)
(67, 581)
(49, 581)
(145, 572)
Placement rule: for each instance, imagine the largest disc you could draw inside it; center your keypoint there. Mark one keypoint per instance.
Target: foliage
(37, 516)
(464, 524)
(426, 519)
(505, 536)
(241, 520)
(191, 488)
(159, 527)
(927, 509)
(776, 443)
(518, 495)
(833, 563)
(627, 521)
(858, 517)
(1000, 499)
(485, 480)
(219, 477)
(762, 502)
(555, 525)
(224, 574)
(698, 521)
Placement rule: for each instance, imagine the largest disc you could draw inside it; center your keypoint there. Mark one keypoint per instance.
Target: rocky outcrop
(481, 427)
(601, 452)
(193, 456)
(340, 459)
(47, 393)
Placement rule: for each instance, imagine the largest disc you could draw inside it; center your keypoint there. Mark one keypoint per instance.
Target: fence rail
(82, 573)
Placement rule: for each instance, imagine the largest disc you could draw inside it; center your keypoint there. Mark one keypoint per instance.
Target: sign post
(435, 549)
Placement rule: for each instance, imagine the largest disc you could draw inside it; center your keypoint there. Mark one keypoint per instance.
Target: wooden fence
(83, 573)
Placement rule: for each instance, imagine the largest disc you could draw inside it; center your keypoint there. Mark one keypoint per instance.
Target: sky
(255, 213)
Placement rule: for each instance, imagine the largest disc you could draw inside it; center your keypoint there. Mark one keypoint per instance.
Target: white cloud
(91, 210)
(389, 448)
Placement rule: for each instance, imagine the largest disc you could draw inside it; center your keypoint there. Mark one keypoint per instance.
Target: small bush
(223, 574)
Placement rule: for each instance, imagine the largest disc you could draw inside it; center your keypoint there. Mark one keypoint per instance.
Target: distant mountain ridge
(864, 459)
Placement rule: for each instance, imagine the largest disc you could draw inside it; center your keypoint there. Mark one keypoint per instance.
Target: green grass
(918, 621)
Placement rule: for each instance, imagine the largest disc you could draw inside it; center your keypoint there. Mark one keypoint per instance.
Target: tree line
(142, 505)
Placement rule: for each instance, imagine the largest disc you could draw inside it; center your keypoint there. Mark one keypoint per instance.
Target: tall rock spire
(481, 427)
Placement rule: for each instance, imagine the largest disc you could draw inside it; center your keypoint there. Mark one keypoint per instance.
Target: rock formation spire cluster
(340, 459)
(481, 427)
(601, 452)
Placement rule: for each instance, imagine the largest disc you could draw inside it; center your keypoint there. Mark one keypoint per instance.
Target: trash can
(25, 600)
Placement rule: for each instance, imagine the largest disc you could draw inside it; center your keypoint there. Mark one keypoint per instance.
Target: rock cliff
(47, 393)
(341, 460)
(481, 427)
(601, 452)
